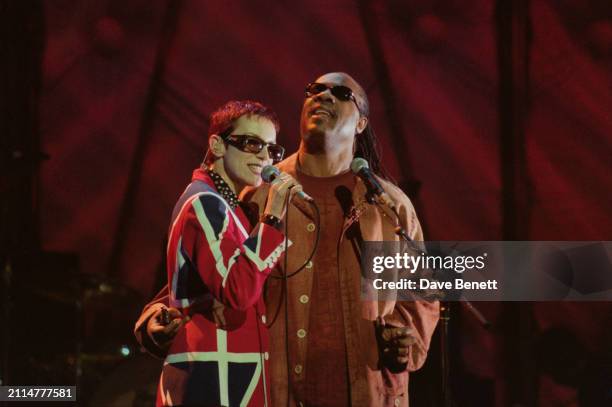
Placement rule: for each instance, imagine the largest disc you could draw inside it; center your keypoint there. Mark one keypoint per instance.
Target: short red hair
(222, 120)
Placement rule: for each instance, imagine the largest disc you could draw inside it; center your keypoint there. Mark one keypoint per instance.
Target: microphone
(269, 173)
(361, 168)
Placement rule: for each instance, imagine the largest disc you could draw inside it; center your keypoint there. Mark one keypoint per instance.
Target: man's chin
(313, 131)
(315, 144)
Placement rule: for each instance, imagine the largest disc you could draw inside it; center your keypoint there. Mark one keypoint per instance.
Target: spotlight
(125, 350)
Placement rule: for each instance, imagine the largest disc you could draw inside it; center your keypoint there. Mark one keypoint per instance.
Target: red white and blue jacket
(217, 266)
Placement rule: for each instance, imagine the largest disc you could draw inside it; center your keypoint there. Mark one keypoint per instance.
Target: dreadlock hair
(366, 142)
(367, 148)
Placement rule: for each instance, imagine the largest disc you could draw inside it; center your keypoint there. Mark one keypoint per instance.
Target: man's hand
(395, 344)
(161, 331)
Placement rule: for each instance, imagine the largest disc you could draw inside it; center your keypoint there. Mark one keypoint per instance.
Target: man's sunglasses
(252, 144)
(343, 93)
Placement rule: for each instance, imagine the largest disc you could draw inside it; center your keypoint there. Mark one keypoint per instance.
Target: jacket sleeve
(234, 270)
(421, 316)
(161, 300)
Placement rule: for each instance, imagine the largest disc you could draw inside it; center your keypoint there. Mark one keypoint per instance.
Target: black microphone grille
(359, 164)
(268, 173)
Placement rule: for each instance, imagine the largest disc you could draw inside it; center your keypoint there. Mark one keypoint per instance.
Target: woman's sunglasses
(252, 144)
(343, 93)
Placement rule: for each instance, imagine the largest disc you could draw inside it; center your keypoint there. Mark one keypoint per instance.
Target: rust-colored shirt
(326, 345)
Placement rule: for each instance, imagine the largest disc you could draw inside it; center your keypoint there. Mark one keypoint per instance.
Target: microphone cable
(285, 276)
(285, 294)
(285, 287)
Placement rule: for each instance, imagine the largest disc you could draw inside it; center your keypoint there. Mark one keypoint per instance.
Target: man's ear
(216, 146)
(361, 124)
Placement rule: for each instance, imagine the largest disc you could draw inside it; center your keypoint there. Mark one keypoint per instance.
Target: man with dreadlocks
(331, 348)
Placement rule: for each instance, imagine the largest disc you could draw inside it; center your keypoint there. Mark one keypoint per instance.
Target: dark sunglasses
(343, 93)
(254, 145)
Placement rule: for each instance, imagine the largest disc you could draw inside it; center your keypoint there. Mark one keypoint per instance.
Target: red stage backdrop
(128, 87)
